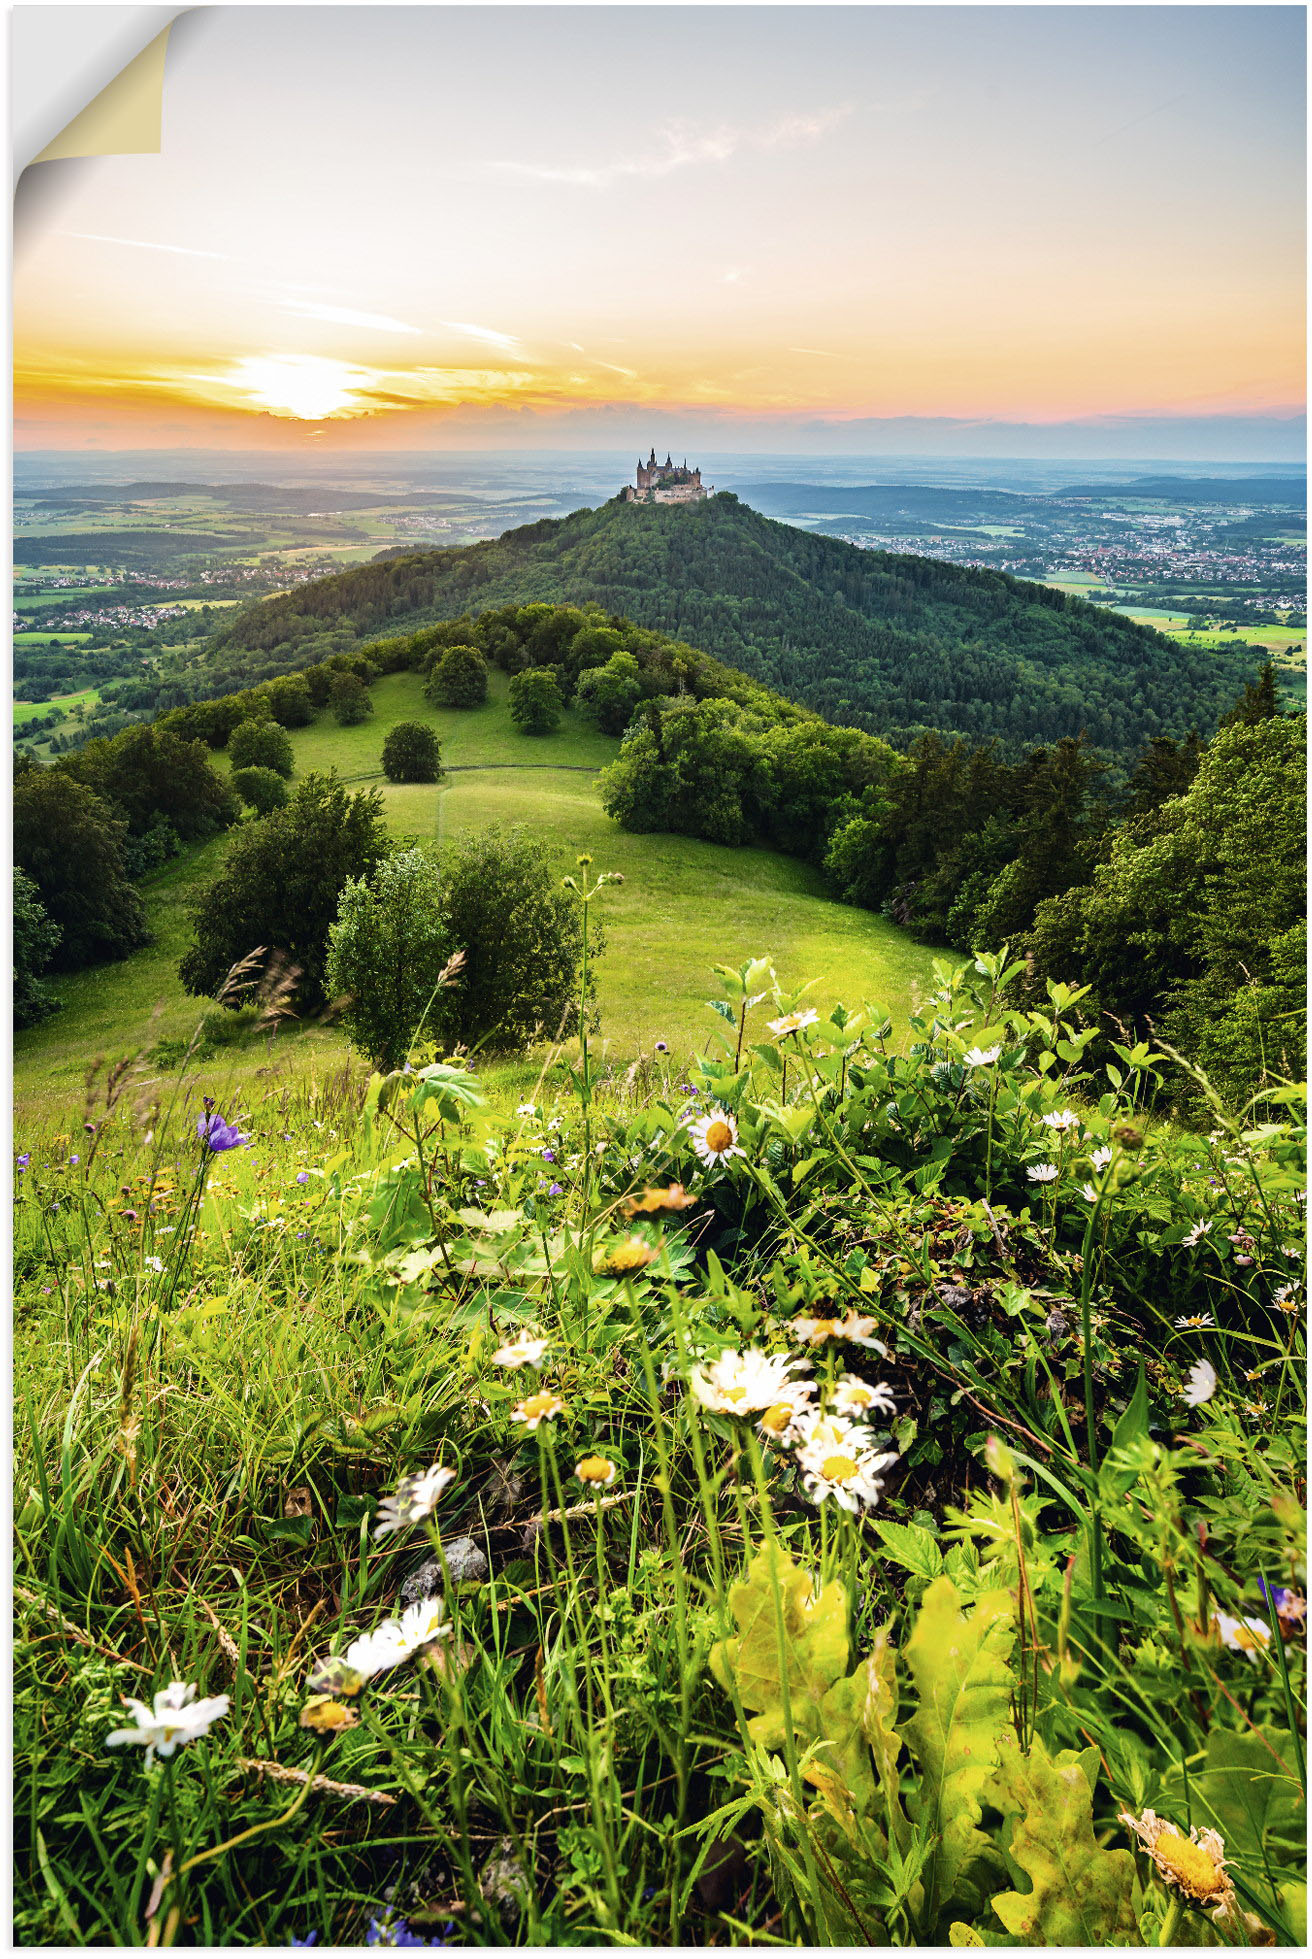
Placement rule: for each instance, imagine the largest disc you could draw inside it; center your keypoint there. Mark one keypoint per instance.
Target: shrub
(349, 699)
(411, 753)
(151, 775)
(290, 700)
(152, 850)
(386, 950)
(70, 841)
(535, 701)
(281, 882)
(608, 694)
(260, 745)
(458, 679)
(36, 937)
(522, 938)
(262, 789)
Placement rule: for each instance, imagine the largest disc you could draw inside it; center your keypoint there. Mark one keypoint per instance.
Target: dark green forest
(886, 642)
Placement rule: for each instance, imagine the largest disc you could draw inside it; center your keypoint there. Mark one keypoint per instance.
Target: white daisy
(1101, 1157)
(981, 1057)
(525, 1350)
(855, 1397)
(526, 1109)
(1200, 1384)
(536, 1409)
(791, 1023)
(176, 1718)
(743, 1384)
(1042, 1173)
(826, 1431)
(850, 1475)
(423, 1622)
(373, 1652)
(415, 1499)
(779, 1422)
(1061, 1119)
(715, 1137)
(1200, 1230)
(1194, 1322)
(1247, 1636)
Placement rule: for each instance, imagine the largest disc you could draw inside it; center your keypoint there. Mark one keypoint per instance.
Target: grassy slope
(684, 906)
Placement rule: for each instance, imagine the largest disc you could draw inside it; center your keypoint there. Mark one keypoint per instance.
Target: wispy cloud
(822, 352)
(679, 145)
(144, 245)
(508, 341)
(313, 309)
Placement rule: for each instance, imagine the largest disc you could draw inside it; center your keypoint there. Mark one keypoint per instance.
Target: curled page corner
(125, 118)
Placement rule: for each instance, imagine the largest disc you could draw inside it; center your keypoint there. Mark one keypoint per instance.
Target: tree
(349, 698)
(152, 776)
(36, 937)
(535, 702)
(281, 882)
(608, 694)
(290, 700)
(262, 789)
(1258, 702)
(70, 842)
(411, 753)
(522, 936)
(386, 951)
(260, 745)
(458, 679)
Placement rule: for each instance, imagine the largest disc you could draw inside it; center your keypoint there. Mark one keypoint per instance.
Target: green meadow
(684, 907)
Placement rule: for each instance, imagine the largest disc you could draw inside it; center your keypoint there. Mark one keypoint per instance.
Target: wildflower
(1061, 1120)
(981, 1057)
(525, 1350)
(421, 1623)
(850, 1475)
(218, 1135)
(715, 1137)
(743, 1383)
(1193, 1322)
(1088, 1193)
(856, 1397)
(548, 1156)
(1101, 1157)
(596, 1471)
(1200, 1384)
(554, 1190)
(1286, 1298)
(1198, 1231)
(21, 1162)
(1253, 1408)
(538, 1408)
(526, 1109)
(623, 1256)
(325, 1716)
(176, 1718)
(368, 1654)
(672, 1198)
(662, 1047)
(415, 1498)
(1193, 1865)
(1248, 1636)
(1290, 1607)
(794, 1022)
(396, 1931)
(302, 1176)
(1042, 1173)
(779, 1422)
(854, 1326)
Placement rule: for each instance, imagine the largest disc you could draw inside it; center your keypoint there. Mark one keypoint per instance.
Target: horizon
(993, 233)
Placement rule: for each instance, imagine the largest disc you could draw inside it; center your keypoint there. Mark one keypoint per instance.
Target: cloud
(822, 352)
(313, 309)
(144, 245)
(679, 145)
(508, 341)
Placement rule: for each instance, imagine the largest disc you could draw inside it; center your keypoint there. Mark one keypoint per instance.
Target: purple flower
(24, 1160)
(395, 1931)
(662, 1047)
(311, 1938)
(217, 1134)
(548, 1156)
(555, 1190)
(75, 1159)
(302, 1176)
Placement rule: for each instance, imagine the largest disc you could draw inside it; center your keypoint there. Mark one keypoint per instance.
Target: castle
(667, 482)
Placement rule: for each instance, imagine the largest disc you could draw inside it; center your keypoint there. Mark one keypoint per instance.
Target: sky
(782, 228)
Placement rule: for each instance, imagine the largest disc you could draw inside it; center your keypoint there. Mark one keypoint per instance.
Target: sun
(305, 387)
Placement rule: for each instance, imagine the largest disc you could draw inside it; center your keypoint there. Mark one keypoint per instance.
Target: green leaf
(913, 1547)
(1245, 1793)
(1080, 1894)
(879, 1724)
(961, 1672)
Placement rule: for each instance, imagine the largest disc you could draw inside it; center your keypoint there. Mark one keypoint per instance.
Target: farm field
(25, 711)
(684, 907)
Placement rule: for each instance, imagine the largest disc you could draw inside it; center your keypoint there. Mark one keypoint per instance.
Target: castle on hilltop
(667, 482)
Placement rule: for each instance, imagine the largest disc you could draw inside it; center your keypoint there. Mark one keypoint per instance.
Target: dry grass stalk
(275, 1772)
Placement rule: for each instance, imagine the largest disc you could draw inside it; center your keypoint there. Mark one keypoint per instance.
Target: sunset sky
(760, 227)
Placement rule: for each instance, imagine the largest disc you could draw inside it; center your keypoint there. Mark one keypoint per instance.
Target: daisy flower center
(838, 1469)
(776, 1419)
(718, 1137)
(1190, 1863)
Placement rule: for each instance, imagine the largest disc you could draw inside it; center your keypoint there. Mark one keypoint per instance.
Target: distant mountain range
(878, 640)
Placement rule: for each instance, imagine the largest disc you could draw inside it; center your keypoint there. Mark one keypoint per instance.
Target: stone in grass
(465, 1560)
(503, 1881)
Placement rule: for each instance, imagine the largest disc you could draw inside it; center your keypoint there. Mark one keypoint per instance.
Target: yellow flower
(596, 1471)
(625, 1255)
(543, 1407)
(1193, 1865)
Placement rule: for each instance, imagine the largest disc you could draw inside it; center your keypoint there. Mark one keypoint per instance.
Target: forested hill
(878, 640)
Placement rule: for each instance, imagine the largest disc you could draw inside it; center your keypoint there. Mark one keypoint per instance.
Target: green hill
(684, 906)
(877, 640)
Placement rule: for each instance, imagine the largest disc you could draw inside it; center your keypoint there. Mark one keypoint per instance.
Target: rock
(465, 1560)
(502, 1880)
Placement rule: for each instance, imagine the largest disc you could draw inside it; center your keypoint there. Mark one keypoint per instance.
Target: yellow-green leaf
(1080, 1894)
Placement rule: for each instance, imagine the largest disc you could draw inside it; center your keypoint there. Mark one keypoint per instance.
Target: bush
(260, 745)
(458, 679)
(386, 951)
(262, 789)
(36, 937)
(349, 699)
(290, 700)
(411, 753)
(70, 842)
(608, 694)
(535, 701)
(522, 938)
(280, 885)
(152, 850)
(151, 775)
